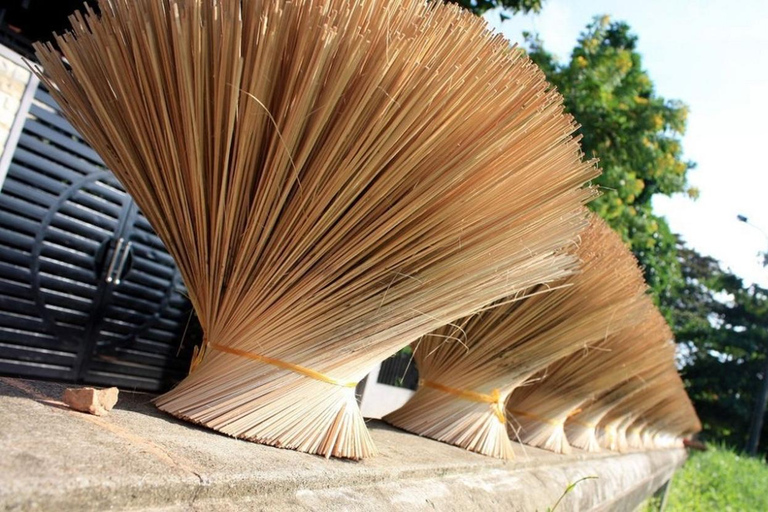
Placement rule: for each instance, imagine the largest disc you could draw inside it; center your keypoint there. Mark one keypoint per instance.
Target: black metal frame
(88, 293)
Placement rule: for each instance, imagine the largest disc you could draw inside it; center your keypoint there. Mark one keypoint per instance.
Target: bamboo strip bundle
(334, 179)
(612, 432)
(559, 392)
(656, 437)
(667, 419)
(468, 369)
(682, 422)
(634, 436)
(673, 419)
(581, 427)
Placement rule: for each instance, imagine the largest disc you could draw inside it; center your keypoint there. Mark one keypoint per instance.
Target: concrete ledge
(138, 458)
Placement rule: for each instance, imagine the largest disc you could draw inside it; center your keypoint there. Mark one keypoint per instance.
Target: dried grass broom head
(682, 422)
(666, 423)
(665, 431)
(612, 431)
(628, 432)
(542, 407)
(469, 368)
(334, 179)
(679, 424)
(581, 426)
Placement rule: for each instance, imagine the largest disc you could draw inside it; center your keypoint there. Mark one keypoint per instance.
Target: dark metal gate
(399, 370)
(88, 293)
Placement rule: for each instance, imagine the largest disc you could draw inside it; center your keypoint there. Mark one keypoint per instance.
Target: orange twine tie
(495, 398)
(198, 355)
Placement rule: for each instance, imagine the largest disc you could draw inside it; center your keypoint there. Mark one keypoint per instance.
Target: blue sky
(714, 57)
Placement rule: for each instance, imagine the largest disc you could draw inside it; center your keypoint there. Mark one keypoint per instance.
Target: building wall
(379, 399)
(13, 81)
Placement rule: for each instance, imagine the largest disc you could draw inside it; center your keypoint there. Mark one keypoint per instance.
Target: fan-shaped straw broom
(558, 392)
(666, 423)
(627, 435)
(581, 427)
(665, 419)
(612, 431)
(469, 368)
(334, 179)
(681, 422)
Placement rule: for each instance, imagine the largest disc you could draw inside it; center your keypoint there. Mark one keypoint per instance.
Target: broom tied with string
(469, 368)
(669, 424)
(672, 417)
(618, 430)
(542, 407)
(663, 436)
(612, 432)
(681, 422)
(581, 427)
(334, 179)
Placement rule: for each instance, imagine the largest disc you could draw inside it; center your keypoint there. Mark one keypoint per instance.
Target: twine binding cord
(197, 357)
(494, 398)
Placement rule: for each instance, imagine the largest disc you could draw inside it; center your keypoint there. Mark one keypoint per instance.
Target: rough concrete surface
(138, 458)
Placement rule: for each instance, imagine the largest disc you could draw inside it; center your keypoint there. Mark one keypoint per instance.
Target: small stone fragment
(91, 400)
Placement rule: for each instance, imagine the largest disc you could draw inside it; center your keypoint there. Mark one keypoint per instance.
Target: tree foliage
(720, 325)
(480, 7)
(634, 132)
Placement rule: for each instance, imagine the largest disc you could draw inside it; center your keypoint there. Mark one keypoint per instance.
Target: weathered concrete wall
(17, 86)
(138, 458)
(13, 82)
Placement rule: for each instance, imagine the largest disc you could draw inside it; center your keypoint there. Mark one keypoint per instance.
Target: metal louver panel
(138, 335)
(87, 290)
(400, 371)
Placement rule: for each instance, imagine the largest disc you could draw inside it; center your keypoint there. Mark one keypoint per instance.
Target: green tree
(720, 325)
(479, 7)
(633, 131)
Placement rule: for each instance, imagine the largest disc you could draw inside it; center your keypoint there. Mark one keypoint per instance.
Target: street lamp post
(756, 425)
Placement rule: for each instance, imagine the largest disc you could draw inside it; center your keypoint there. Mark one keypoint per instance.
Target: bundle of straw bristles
(339, 179)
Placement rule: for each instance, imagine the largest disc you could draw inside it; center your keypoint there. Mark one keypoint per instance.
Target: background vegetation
(719, 479)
